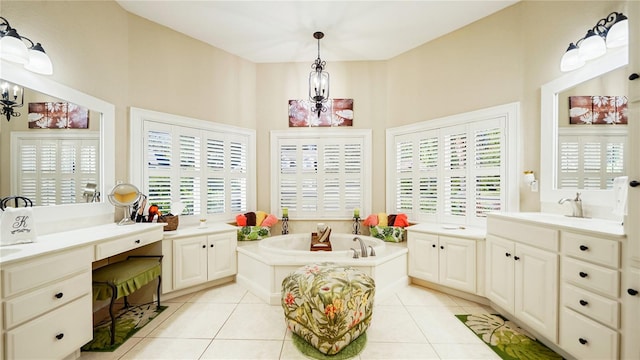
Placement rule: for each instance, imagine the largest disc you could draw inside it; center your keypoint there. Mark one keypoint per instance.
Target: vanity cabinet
(202, 258)
(522, 280)
(590, 288)
(441, 259)
(47, 305)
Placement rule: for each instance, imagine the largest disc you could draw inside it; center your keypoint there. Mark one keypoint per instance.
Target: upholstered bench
(328, 305)
(123, 278)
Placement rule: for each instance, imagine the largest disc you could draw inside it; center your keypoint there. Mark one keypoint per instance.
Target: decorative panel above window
(321, 173)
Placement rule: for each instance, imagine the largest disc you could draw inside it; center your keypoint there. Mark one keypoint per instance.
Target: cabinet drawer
(532, 235)
(124, 244)
(598, 250)
(597, 307)
(594, 277)
(54, 335)
(45, 269)
(34, 303)
(586, 339)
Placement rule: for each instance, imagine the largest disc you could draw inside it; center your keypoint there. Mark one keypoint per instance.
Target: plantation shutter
(589, 162)
(54, 170)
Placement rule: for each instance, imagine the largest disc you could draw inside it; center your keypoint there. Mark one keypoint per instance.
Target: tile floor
(228, 322)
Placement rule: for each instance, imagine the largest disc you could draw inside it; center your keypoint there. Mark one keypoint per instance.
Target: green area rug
(128, 322)
(348, 352)
(506, 338)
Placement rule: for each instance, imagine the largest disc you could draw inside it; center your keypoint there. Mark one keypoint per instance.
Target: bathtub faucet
(363, 248)
(373, 252)
(355, 253)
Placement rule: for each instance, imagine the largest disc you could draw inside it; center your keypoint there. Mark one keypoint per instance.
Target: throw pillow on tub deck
(253, 233)
(388, 233)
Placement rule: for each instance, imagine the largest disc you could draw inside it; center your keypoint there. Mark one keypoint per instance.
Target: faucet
(355, 253)
(363, 248)
(373, 252)
(576, 205)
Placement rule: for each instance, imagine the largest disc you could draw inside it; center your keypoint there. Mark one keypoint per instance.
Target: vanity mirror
(101, 129)
(563, 168)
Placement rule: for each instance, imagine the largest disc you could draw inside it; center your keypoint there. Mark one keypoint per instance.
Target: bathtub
(263, 264)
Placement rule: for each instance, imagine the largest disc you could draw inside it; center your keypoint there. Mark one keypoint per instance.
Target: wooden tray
(317, 245)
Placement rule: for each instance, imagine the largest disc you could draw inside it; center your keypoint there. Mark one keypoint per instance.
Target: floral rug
(348, 352)
(128, 322)
(506, 338)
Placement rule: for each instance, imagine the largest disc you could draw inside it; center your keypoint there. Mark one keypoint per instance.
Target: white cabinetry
(590, 312)
(444, 260)
(47, 305)
(522, 274)
(202, 258)
(630, 314)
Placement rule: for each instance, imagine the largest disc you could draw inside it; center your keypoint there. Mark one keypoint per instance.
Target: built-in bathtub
(263, 264)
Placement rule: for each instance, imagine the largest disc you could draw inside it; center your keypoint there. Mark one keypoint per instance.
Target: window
(590, 160)
(321, 173)
(201, 164)
(455, 169)
(55, 168)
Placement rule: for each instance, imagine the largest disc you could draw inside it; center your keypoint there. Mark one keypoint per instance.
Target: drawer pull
(60, 336)
(584, 303)
(583, 274)
(582, 341)
(584, 248)
(59, 295)
(507, 254)
(204, 246)
(632, 292)
(634, 76)
(516, 258)
(442, 247)
(634, 183)
(211, 245)
(434, 245)
(137, 241)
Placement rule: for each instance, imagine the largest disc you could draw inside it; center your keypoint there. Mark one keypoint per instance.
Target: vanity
(46, 291)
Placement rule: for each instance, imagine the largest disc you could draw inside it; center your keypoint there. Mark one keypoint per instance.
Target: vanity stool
(328, 305)
(123, 278)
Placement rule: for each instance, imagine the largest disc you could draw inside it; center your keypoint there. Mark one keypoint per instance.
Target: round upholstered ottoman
(328, 305)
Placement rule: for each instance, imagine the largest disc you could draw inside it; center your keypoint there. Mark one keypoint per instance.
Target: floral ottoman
(328, 305)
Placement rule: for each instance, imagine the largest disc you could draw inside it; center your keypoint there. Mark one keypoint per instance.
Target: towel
(620, 190)
(382, 219)
(17, 226)
(270, 220)
(260, 216)
(401, 220)
(371, 220)
(251, 218)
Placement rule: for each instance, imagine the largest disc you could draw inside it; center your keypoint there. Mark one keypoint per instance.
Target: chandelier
(319, 81)
(11, 97)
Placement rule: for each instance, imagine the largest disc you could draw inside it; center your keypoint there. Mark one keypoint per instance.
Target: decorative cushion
(388, 233)
(253, 233)
(328, 305)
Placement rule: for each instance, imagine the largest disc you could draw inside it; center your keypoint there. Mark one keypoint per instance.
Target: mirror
(555, 127)
(124, 195)
(102, 112)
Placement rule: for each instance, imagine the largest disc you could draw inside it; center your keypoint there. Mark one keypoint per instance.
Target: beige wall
(102, 50)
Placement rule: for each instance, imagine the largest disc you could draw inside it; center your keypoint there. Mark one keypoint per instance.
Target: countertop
(585, 225)
(461, 231)
(70, 239)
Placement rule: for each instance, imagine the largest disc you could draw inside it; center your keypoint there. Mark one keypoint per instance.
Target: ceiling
(282, 31)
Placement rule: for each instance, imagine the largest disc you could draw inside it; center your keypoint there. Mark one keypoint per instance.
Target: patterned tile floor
(228, 322)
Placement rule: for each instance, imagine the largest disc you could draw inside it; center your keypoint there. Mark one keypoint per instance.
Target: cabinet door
(423, 256)
(222, 255)
(631, 223)
(190, 261)
(500, 272)
(630, 311)
(536, 289)
(458, 263)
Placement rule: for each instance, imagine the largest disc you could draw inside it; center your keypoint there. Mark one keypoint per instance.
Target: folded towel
(371, 220)
(241, 220)
(382, 219)
(260, 215)
(269, 221)
(401, 220)
(251, 218)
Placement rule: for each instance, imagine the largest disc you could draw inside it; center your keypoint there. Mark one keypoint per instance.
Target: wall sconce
(529, 179)
(9, 96)
(319, 81)
(610, 32)
(14, 49)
